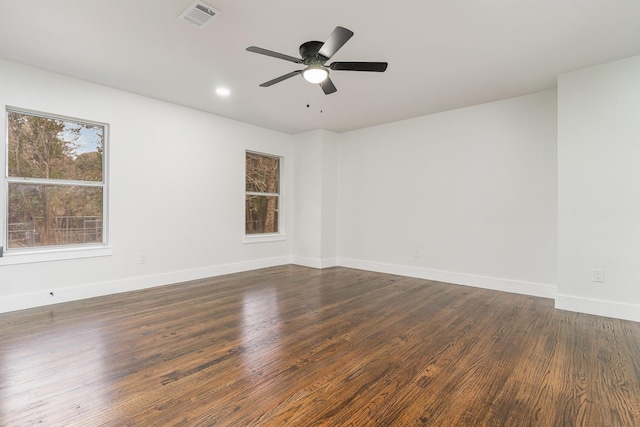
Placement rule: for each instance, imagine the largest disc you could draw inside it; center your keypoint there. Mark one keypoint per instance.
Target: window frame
(265, 237)
(53, 252)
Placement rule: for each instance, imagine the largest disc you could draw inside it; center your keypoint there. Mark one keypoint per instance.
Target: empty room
(240, 213)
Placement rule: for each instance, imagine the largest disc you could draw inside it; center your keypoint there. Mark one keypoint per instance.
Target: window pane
(42, 147)
(48, 215)
(261, 214)
(262, 173)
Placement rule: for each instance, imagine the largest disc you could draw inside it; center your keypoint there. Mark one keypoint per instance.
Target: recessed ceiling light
(223, 91)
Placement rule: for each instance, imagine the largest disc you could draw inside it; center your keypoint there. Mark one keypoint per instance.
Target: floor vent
(199, 14)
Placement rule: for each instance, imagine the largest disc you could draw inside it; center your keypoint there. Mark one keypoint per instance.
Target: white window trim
(57, 253)
(264, 237)
(54, 253)
(281, 235)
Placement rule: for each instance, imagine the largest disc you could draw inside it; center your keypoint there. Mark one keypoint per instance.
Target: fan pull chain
(309, 102)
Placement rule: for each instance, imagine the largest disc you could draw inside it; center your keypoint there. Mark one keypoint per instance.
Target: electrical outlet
(416, 253)
(598, 275)
(142, 258)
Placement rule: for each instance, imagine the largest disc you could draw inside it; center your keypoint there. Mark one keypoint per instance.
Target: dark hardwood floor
(304, 347)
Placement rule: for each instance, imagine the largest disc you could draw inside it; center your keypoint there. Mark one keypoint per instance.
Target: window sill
(58, 254)
(258, 238)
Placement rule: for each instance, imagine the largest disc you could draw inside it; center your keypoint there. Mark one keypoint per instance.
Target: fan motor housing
(309, 50)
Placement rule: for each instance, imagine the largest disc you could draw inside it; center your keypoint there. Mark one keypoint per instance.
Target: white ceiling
(442, 54)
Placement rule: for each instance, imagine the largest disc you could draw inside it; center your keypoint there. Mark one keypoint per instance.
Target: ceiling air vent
(199, 14)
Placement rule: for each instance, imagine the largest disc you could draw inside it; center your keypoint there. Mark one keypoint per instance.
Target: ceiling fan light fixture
(314, 55)
(315, 74)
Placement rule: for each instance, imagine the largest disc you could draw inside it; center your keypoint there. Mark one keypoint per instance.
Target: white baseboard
(563, 302)
(329, 262)
(506, 285)
(314, 262)
(613, 309)
(37, 299)
(306, 261)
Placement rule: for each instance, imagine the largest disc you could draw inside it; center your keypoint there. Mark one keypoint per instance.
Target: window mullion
(254, 193)
(45, 181)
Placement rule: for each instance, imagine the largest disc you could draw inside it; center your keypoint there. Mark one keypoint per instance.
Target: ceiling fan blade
(336, 40)
(328, 87)
(359, 66)
(273, 54)
(281, 78)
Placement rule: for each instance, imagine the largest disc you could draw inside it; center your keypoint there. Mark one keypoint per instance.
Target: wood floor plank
(293, 346)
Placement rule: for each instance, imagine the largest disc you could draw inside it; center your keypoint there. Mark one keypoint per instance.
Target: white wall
(329, 193)
(307, 187)
(315, 194)
(471, 192)
(599, 189)
(503, 195)
(176, 192)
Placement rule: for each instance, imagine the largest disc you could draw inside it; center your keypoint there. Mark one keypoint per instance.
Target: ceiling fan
(314, 55)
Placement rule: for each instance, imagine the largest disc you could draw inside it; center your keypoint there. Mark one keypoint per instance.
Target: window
(262, 194)
(55, 181)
